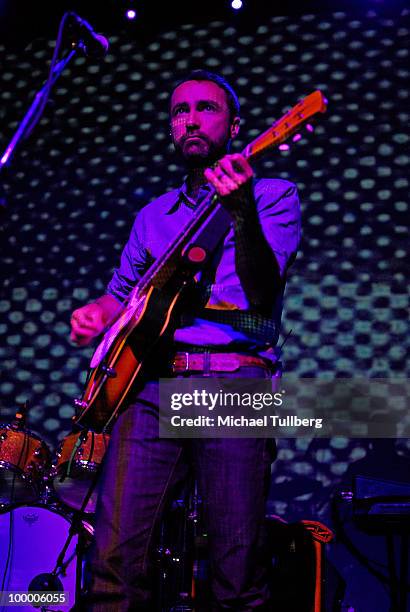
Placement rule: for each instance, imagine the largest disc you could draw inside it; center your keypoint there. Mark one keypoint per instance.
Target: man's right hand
(87, 323)
(91, 320)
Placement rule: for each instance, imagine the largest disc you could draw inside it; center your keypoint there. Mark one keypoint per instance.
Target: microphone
(94, 45)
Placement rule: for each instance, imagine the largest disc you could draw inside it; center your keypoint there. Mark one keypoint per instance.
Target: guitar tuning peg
(296, 137)
(309, 127)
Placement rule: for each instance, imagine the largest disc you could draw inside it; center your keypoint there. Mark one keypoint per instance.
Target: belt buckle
(176, 369)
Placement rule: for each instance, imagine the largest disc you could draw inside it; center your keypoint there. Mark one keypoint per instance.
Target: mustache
(196, 135)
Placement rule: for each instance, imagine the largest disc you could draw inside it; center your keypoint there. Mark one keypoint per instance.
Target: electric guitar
(147, 315)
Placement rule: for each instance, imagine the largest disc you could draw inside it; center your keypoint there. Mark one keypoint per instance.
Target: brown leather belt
(215, 362)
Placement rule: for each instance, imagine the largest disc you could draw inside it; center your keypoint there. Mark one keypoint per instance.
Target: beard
(201, 152)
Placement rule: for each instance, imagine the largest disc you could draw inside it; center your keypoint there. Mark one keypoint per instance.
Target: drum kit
(46, 510)
(47, 507)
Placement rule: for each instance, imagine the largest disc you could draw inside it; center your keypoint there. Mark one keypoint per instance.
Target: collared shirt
(156, 226)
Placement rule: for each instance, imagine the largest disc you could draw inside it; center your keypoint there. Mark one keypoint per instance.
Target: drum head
(32, 538)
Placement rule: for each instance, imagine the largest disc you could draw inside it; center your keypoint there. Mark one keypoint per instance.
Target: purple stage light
(131, 14)
(284, 147)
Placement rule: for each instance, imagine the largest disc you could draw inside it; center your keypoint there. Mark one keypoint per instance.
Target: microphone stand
(28, 122)
(35, 105)
(36, 109)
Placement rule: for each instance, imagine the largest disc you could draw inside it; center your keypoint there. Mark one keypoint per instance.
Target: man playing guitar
(229, 333)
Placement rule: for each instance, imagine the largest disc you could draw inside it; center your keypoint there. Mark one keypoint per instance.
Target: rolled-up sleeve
(279, 213)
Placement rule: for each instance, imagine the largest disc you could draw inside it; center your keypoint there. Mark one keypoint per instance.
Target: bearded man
(231, 334)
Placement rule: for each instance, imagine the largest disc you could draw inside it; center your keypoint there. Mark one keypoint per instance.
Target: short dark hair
(206, 75)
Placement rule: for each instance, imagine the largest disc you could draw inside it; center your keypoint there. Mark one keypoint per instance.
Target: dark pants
(139, 470)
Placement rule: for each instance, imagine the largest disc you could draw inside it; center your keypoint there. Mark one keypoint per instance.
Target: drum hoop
(13, 468)
(25, 431)
(54, 508)
(83, 464)
(59, 510)
(91, 466)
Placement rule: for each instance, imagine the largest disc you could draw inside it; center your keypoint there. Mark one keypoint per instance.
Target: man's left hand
(232, 179)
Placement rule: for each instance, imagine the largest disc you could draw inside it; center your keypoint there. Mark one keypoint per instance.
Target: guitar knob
(110, 372)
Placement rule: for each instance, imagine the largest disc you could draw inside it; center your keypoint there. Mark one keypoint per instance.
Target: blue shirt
(157, 224)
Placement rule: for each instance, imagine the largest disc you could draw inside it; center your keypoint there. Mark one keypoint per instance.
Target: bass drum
(32, 538)
(24, 462)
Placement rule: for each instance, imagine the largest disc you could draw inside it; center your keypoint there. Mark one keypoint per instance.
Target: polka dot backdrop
(102, 151)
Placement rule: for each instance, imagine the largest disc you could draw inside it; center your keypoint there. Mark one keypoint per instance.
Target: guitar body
(109, 382)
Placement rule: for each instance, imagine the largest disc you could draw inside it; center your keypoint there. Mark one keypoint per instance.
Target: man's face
(200, 122)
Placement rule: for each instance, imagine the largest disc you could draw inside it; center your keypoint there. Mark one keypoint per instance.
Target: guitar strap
(208, 237)
(209, 241)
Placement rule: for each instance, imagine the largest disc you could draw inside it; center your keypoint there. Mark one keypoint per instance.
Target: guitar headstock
(292, 121)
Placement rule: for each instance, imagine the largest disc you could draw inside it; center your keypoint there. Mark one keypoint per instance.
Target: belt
(215, 362)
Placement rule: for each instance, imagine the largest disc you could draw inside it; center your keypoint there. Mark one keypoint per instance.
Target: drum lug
(110, 372)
